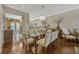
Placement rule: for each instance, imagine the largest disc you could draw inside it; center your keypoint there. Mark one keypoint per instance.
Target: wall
(3, 10)
(1, 27)
(24, 15)
(69, 19)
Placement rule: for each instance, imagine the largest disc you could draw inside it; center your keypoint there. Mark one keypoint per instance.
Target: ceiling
(37, 10)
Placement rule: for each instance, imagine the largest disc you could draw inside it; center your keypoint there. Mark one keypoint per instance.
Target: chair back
(65, 31)
(24, 38)
(50, 37)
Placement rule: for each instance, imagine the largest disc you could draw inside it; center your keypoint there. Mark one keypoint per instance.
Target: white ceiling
(36, 11)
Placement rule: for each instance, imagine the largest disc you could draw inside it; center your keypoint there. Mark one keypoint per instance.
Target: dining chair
(68, 36)
(49, 38)
(76, 49)
(27, 42)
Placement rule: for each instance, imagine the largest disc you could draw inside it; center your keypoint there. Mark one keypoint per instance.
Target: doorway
(14, 23)
(12, 30)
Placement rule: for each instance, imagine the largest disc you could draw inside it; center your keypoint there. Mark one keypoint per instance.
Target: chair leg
(77, 41)
(45, 50)
(65, 42)
(28, 49)
(39, 49)
(25, 47)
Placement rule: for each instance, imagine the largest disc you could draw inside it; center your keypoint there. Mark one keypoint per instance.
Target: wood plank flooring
(59, 46)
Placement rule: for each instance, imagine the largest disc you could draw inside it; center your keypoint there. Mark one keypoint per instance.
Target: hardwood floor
(18, 48)
(59, 46)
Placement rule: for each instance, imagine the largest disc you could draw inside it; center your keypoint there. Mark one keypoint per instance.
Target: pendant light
(42, 18)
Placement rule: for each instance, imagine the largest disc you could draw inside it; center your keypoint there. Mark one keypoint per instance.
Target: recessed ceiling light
(42, 6)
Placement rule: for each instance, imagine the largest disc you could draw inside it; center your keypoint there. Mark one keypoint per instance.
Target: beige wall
(3, 10)
(69, 19)
(24, 15)
(1, 27)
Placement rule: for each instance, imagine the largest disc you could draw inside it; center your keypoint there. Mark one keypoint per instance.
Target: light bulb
(42, 18)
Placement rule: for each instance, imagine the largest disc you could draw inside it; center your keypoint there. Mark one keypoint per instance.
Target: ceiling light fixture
(42, 6)
(42, 18)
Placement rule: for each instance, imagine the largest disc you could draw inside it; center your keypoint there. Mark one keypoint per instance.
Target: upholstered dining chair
(67, 35)
(76, 49)
(43, 43)
(27, 42)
